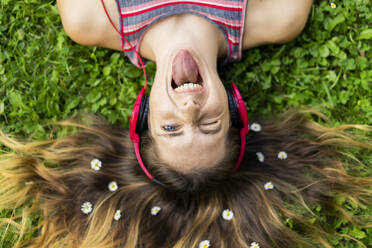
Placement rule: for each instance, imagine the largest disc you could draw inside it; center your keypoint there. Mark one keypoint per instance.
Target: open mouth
(198, 84)
(185, 73)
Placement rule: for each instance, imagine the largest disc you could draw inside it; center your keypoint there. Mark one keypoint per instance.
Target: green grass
(45, 77)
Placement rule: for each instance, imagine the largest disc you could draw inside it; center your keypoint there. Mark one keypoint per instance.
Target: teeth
(188, 86)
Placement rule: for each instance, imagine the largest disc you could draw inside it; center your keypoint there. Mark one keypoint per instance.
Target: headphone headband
(245, 123)
(134, 136)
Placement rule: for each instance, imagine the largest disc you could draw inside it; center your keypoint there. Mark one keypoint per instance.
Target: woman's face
(188, 124)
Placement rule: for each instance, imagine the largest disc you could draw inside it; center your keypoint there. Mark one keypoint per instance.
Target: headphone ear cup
(234, 111)
(143, 113)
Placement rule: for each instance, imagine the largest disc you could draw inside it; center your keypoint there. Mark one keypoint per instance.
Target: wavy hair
(47, 182)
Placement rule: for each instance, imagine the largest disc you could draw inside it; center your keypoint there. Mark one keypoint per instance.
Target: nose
(191, 109)
(191, 105)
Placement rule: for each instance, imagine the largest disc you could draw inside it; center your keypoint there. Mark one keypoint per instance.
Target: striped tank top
(136, 16)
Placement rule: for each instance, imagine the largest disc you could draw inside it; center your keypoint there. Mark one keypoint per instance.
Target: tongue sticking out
(184, 68)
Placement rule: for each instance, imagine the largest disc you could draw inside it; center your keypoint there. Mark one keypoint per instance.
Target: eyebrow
(209, 132)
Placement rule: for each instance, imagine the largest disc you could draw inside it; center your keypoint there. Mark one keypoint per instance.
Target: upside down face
(189, 117)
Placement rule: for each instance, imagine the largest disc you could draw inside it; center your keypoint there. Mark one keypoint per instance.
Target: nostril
(191, 103)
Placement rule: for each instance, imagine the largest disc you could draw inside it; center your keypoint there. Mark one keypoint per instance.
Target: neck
(190, 32)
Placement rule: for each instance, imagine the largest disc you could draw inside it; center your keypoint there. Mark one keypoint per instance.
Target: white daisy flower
(96, 164)
(269, 185)
(260, 157)
(255, 245)
(117, 215)
(282, 155)
(113, 186)
(256, 127)
(87, 207)
(227, 214)
(155, 210)
(333, 5)
(205, 244)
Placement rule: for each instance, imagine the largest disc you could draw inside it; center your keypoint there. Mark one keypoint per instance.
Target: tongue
(184, 68)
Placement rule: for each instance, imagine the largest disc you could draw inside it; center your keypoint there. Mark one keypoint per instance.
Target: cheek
(217, 105)
(219, 98)
(158, 102)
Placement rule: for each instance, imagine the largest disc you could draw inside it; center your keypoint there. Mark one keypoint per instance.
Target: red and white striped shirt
(136, 16)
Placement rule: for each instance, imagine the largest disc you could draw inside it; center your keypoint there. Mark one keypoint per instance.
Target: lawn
(46, 77)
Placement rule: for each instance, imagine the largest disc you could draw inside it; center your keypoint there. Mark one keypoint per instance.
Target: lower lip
(194, 90)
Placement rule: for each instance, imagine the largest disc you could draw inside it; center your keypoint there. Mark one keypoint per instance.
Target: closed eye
(209, 123)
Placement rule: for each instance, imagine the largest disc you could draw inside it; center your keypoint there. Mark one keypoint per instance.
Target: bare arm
(274, 21)
(86, 23)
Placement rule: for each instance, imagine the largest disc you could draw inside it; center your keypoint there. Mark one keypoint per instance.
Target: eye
(169, 128)
(209, 123)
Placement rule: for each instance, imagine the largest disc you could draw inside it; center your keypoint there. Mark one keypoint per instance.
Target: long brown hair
(53, 179)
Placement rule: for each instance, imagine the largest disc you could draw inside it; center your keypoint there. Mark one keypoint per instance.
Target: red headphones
(138, 119)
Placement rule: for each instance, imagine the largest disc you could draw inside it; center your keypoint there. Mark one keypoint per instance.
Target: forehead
(191, 150)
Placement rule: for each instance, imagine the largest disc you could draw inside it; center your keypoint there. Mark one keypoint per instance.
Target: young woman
(90, 191)
(186, 40)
